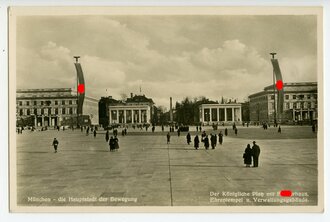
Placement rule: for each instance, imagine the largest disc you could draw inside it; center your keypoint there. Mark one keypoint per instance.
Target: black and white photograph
(177, 109)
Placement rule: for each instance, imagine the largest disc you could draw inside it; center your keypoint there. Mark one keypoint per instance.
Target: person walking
(213, 141)
(55, 144)
(313, 128)
(206, 142)
(107, 136)
(168, 136)
(94, 133)
(226, 132)
(196, 142)
(179, 132)
(279, 129)
(116, 142)
(255, 154)
(236, 131)
(220, 138)
(247, 156)
(112, 144)
(188, 138)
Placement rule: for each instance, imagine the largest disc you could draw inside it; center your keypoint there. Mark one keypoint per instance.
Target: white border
(4, 207)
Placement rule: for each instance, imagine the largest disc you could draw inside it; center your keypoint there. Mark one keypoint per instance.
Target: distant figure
(279, 129)
(226, 132)
(112, 144)
(236, 131)
(94, 133)
(247, 124)
(55, 144)
(200, 128)
(203, 136)
(168, 136)
(162, 128)
(313, 128)
(213, 141)
(220, 138)
(123, 132)
(179, 132)
(255, 154)
(107, 136)
(196, 142)
(188, 138)
(116, 141)
(247, 156)
(234, 126)
(196, 128)
(87, 131)
(206, 142)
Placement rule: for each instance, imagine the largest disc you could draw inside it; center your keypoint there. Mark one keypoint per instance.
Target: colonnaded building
(300, 103)
(137, 109)
(220, 113)
(53, 107)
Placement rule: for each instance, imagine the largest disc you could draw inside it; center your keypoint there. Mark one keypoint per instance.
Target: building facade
(300, 104)
(220, 113)
(137, 109)
(50, 107)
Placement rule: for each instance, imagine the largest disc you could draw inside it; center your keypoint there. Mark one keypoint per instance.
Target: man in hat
(55, 144)
(255, 154)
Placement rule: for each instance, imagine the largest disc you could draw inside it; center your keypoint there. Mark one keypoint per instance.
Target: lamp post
(273, 57)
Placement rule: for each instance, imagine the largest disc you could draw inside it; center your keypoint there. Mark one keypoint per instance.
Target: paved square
(145, 171)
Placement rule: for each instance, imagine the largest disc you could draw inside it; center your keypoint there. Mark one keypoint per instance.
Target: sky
(166, 56)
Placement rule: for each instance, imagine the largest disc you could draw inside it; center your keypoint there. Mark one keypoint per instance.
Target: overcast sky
(176, 56)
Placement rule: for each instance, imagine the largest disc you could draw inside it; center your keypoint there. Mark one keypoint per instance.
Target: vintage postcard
(166, 109)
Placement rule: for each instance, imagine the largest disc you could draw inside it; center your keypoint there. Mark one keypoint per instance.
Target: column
(202, 114)
(117, 116)
(301, 116)
(110, 116)
(35, 120)
(139, 116)
(42, 120)
(132, 114)
(217, 109)
(148, 115)
(240, 114)
(293, 115)
(124, 116)
(225, 114)
(233, 114)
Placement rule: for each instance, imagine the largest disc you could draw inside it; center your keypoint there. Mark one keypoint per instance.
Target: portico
(129, 114)
(219, 113)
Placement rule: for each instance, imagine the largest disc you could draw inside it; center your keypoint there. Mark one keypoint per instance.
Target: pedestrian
(188, 138)
(236, 131)
(313, 128)
(168, 136)
(87, 131)
(107, 136)
(153, 129)
(123, 132)
(94, 133)
(196, 142)
(226, 132)
(213, 141)
(55, 144)
(116, 142)
(162, 128)
(206, 142)
(200, 128)
(203, 136)
(81, 129)
(196, 128)
(179, 132)
(220, 138)
(247, 156)
(255, 154)
(112, 144)
(234, 126)
(279, 129)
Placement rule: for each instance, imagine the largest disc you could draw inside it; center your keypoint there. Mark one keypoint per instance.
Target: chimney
(131, 95)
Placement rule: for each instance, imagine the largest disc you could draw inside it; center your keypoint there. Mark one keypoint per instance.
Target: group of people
(251, 153)
(113, 141)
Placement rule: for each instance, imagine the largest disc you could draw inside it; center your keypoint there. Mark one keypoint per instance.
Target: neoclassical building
(137, 109)
(53, 107)
(220, 113)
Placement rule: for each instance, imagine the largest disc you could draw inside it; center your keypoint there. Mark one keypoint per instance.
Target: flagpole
(77, 60)
(273, 57)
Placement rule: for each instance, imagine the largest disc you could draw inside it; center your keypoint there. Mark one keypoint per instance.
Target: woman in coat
(247, 156)
(206, 142)
(196, 142)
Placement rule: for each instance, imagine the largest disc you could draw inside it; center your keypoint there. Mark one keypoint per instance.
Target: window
(308, 96)
(49, 111)
(42, 111)
(28, 112)
(295, 105)
(35, 103)
(294, 97)
(28, 103)
(272, 97)
(56, 111)
(70, 110)
(287, 97)
(20, 103)
(56, 102)
(63, 102)
(35, 111)
(42, 103)
(70, 102)
(286, 106)
(63, 110)
(21, 112)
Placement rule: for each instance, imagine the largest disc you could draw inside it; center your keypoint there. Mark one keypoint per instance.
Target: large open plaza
(145, 171)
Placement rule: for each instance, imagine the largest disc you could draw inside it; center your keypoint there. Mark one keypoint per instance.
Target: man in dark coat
(196, 142)
(116, 141)
(213, 141)
(94, 133)
(112, 144)
(107, 136)
(279, 129)
(236, 131)
(55, 144)
(206, 142)
(255, 154)
(220, 137)
(226, 132)
(179, 132)
(168, 136)
(188, 138)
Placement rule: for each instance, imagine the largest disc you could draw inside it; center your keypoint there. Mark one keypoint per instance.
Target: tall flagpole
(273, 57)
(77, 60)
